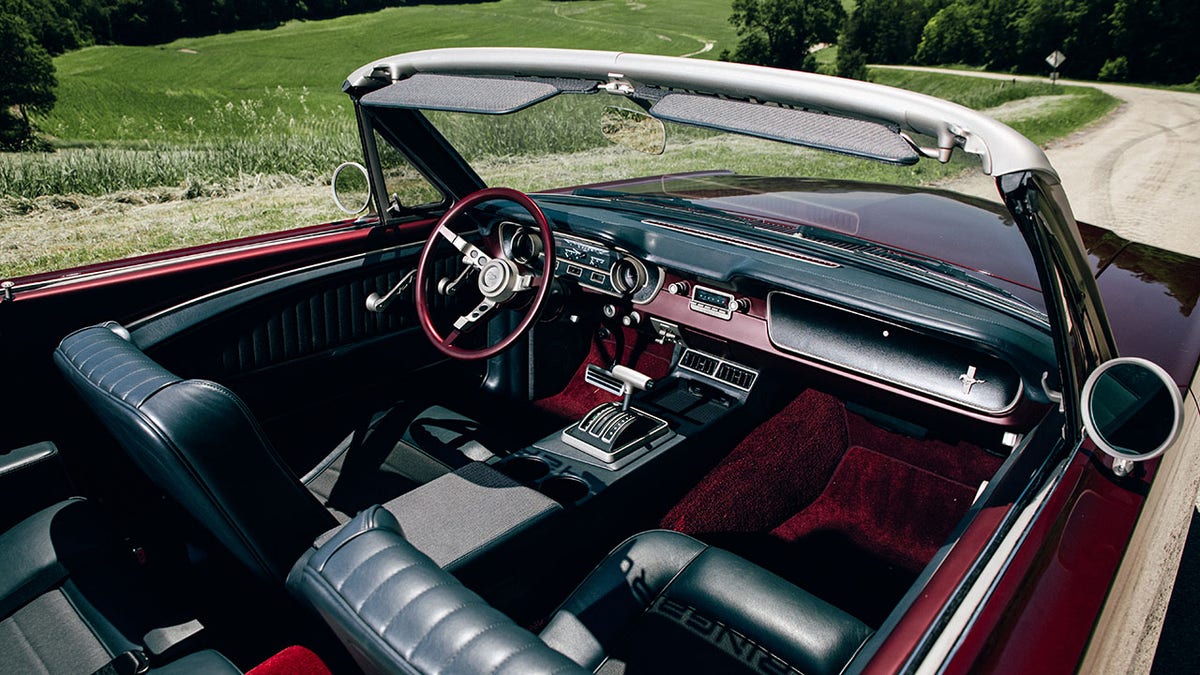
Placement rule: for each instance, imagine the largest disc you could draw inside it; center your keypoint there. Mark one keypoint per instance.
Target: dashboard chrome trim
(731, 241)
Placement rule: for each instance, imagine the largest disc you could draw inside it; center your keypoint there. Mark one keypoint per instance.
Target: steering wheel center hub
(498, 279)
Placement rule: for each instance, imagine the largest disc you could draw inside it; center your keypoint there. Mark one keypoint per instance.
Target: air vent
(719, 369)
(701, 363)
(735, 375)
(775, 227)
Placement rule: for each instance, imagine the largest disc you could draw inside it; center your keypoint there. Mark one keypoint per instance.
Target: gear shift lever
(610, 431)
(621, 381)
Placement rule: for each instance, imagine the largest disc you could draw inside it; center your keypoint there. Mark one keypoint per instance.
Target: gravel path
(1137, 172)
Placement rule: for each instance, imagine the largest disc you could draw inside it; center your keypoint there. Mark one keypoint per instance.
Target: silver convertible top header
(1001, 149)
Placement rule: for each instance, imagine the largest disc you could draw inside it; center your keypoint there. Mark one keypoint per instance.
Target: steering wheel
(500, 279)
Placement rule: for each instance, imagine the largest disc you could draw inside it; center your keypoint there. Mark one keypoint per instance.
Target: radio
(716, 303)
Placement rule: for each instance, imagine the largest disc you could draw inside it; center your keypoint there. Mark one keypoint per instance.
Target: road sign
(1056, 59)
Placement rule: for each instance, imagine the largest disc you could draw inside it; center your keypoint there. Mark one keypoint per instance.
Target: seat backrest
(200, 444)
(398, 612)
(665, 602)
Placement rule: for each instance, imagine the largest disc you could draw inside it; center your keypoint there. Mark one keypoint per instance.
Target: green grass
(1079, 107)
(221, 116)
(218, 108)
(973, 92)
(168, 93)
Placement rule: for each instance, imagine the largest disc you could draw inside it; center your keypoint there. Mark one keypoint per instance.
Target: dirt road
(1137, 172)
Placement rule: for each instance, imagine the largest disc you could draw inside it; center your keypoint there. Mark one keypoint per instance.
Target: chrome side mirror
(351, 187)
(634, 129)
(1131, 410)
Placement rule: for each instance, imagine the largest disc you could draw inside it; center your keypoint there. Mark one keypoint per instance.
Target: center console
(479, 510)
(615, 439)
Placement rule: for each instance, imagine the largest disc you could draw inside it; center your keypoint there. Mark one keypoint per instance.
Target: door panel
(41, 311)
(305, 354)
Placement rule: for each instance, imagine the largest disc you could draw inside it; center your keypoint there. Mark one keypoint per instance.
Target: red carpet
(904, 529)
(638, 352)
(841, 507)
(294, 660)
(779, 468)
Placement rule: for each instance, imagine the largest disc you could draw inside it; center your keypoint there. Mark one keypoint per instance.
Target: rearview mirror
(1131, 410)
(351, 188)
(634, 129)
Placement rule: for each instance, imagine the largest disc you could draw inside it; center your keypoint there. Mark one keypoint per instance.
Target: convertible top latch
(617, 84)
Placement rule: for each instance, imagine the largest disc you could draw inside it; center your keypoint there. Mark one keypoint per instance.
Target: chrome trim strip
(278, 275)
(947, 642)
(81, 277)
(731, 241)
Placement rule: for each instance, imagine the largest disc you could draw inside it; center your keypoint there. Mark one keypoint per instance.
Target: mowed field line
(173, 91)
(705, 45)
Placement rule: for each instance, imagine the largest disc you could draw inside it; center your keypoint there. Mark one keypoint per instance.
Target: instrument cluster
(594, 265)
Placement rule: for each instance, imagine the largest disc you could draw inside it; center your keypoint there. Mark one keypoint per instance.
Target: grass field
(200, 89)
(214, 109)
(209, 120)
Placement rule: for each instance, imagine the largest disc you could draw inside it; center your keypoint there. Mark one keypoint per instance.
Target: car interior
(692, 450)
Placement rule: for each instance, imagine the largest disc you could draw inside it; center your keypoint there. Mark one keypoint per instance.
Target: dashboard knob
(631, 319)
(610, 310)
(679, 287)
(741, 305)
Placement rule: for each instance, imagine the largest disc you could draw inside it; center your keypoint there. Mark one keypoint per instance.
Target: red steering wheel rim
(421, 296)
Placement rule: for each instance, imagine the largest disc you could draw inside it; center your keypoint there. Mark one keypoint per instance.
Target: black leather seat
(70, 602)
(200, 443)
(660, 602)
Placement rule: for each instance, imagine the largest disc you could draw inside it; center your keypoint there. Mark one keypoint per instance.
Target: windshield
(560, 142)
(586, 146)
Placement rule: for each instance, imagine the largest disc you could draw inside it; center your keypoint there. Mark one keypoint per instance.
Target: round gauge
(628, 275)
(525, 247)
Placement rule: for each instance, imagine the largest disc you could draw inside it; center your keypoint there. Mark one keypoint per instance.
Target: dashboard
(746, 306)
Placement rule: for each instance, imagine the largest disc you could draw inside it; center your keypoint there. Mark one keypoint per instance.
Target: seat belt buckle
(132, 662)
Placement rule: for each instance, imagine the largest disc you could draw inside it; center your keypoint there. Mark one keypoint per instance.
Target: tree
(851, 63)
(956, 34)
(782, 33)
(1157, 38)
(886, 31)
(28, 83)
(53, 24)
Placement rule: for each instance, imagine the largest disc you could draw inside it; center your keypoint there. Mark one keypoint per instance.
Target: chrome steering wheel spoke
(467, 321)
(472, 254)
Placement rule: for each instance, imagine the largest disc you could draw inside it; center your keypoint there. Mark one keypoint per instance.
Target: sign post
(1055, 60)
